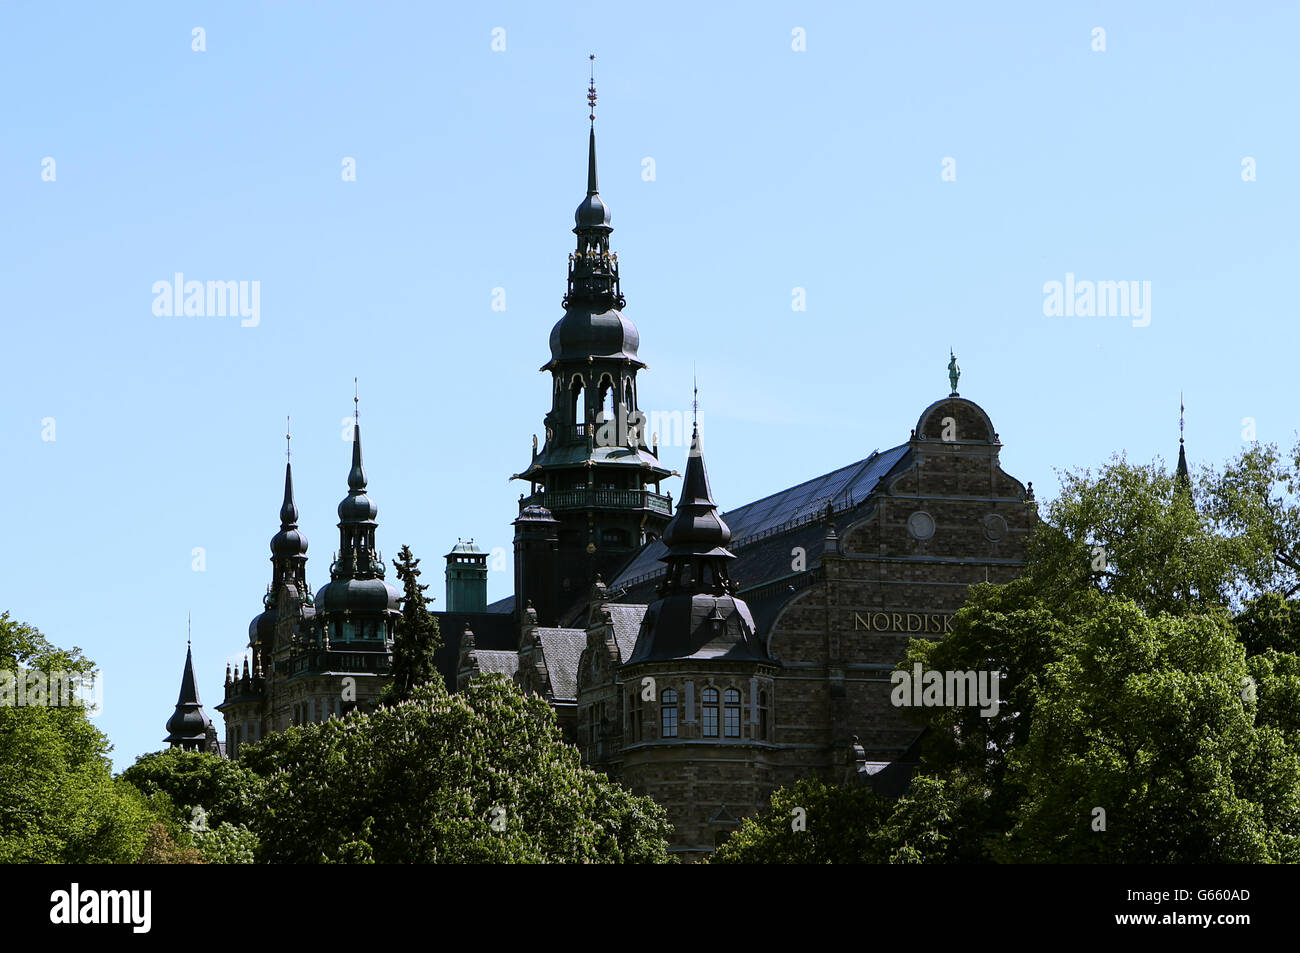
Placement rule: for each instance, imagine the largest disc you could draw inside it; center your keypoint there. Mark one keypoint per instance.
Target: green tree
(1146, 720)
(818, 823)
(417, 637)
(206, 800)
(198, 784)
(1130, 571)
(58, 800)
(482, 776)
(809, 823)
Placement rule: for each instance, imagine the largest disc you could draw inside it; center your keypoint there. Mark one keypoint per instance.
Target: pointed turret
(188, 726)
(596, 475)
(697, 616)
(1182, 478)
(288, 568)
(357, 601)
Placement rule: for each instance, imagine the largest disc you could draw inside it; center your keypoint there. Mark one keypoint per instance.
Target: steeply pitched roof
(492, 631)
(561, 649)
(627, 623)
(493, 660)
(797, 508)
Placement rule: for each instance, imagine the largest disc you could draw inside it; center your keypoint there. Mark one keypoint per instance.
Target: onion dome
(592, 212)
(289, 566)
(356, 506)
(188, 726)
(357, 576)
(289, 541)
(583, 333)
(592, 325)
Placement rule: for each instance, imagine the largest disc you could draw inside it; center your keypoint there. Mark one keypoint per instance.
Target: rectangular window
(670, 722)
(731, 721)
(709, 720)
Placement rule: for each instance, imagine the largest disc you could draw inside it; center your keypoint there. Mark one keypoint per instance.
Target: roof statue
(954, 372)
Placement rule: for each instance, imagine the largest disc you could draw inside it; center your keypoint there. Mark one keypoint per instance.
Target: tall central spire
(594, 487)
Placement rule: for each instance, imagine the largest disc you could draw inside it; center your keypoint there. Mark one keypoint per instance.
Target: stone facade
(876, 572)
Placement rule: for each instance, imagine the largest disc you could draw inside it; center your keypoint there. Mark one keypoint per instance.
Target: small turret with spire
(357, 602)
(697, 614)
(1182, 478)
(188, 726)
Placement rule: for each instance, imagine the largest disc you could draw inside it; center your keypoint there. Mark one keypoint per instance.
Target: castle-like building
(703, 658)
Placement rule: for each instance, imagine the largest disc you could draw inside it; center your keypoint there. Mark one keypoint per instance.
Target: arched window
(709, 713)
(607, 398)
(731, 713)
(762, 716)
(668, 713)
(577, 412)
(634, 714)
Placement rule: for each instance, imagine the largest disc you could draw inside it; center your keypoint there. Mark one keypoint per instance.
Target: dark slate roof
(845, 487)
(627, 623)
(561, 649)
(189, 722)
(764, 533)
(493, 660)
(506, 605)
(492, 631)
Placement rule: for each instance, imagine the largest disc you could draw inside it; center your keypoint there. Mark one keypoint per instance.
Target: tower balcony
(600, 498)
(310, 660)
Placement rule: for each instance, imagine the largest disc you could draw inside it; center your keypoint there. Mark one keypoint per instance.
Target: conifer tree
(417, 637)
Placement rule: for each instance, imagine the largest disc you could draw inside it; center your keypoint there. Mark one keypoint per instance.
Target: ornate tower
(189, 727)
(349, 651)
(594, 474)
(699, 683)
(289, 612)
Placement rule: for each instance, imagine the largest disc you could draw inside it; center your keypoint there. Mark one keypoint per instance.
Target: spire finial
(356, 401)
(288, 431)
(187, 629)
(1181, 410)
(591, 90)
(695, 402)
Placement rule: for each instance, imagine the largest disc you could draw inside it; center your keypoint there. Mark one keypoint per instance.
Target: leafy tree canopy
(481, 776)
(58, 800)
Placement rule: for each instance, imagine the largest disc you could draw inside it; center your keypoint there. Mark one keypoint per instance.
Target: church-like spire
(289, 546)
(1182, 478)
(697, 615)
(593, 270)
(187, 728)
(357, 556)
(697, 532)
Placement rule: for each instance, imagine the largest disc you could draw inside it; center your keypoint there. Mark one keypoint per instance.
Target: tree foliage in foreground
(1149, 661)
(58, 800)
(207, 802)
(417, 638)
(481, 776)
(845, 825)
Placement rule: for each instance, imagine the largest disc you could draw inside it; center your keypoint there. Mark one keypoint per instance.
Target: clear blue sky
(775, 169)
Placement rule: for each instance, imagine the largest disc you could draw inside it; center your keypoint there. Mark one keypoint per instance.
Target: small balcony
(594, 497)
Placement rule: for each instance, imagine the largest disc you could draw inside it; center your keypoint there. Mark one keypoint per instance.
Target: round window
(995, 527)
(921, 525)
